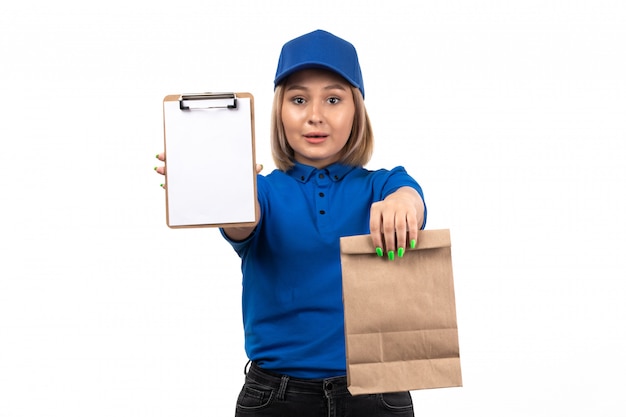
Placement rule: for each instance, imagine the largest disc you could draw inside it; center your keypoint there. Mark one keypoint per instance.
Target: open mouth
(315, 138)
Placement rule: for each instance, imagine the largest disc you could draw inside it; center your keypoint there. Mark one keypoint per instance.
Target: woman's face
(317, 115)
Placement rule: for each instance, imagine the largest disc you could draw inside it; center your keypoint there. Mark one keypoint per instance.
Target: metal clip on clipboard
(201, 101)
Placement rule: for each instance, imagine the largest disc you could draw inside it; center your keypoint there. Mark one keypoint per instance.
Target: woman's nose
(315, 113)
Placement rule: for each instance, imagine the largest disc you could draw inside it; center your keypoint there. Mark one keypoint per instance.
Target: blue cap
(320, 49)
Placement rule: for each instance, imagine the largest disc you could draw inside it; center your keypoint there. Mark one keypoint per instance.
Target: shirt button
(322, 212)
(321, 176)
(321, 194)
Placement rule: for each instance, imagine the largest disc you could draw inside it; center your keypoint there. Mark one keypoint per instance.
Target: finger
(259, 168)
(161, 169)
(376, 229)
(414, 225)
(401, 234)
(389, 234)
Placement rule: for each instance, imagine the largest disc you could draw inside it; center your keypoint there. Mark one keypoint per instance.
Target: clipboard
(210, 160)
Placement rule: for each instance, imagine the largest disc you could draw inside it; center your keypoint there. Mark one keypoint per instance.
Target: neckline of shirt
(303, 173)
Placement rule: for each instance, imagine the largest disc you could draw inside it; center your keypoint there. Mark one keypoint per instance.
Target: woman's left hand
(396, 221)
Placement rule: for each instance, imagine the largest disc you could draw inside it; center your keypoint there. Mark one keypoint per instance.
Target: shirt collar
(303, 173)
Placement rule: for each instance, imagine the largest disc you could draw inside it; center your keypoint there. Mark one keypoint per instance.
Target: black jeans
(266, 394)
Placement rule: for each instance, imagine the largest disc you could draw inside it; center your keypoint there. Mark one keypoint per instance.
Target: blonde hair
(357, 151)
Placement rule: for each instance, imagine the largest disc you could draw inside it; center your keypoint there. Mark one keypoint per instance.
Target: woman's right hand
(235, 233)
(161, 169)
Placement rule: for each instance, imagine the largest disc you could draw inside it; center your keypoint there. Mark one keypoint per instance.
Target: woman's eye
(298, 100)
(333, 100)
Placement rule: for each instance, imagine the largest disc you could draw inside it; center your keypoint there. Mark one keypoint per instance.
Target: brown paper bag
(400, 316)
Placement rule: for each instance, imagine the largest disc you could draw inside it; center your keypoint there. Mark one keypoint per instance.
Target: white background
(511, 115)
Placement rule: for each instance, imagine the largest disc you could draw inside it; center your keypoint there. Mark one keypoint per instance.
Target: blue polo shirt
(292, 293)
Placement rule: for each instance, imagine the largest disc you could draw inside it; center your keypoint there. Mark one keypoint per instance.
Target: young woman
(292, 302)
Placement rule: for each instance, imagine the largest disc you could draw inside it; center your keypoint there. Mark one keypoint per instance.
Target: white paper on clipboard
(210, 161)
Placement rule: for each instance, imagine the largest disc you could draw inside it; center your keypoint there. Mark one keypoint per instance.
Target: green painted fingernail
(161, 185)
(413, 243)
(379, 251)
(400, 252)
(390, 254)
(155, 168)
(157, 156)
